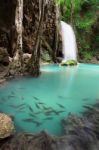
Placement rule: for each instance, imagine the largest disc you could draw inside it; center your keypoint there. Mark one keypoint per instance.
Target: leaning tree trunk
(34, 61)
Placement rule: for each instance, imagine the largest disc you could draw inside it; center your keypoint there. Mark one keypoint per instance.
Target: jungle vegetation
(83, 15)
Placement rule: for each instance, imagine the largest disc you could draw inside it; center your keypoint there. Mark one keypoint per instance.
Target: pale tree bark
(57, 31)
(19, 26)
(16, 66)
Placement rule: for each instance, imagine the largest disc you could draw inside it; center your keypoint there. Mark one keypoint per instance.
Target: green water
(41, 103)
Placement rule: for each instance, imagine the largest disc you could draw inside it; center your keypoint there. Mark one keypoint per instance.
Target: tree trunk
(34, 61)
(16, 67)
(19, 26)
(57, 30)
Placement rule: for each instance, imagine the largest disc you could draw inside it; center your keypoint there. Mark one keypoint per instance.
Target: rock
(6, 126)
(45, 56)
(4, 57)
(2, 80)
(10, 59)
(97, 57)
(69, 63)
(12, 72)
(59, 59)
(26, 57)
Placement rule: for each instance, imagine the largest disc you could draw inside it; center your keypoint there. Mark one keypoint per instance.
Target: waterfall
(68, 42)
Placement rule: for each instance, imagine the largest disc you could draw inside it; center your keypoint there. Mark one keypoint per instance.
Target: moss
(69, 63)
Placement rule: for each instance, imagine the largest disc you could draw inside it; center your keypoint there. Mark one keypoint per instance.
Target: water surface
(41, 103)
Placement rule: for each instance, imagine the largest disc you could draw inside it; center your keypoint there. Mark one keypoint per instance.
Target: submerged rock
(6, 126)
(25, 141)
(81, 133)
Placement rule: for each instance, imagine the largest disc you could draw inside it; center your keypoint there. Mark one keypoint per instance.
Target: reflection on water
(41, 103)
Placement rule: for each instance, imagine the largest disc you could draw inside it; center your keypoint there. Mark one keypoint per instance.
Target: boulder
(6, 126)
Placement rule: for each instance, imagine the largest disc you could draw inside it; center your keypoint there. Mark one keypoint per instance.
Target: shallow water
(41, 103)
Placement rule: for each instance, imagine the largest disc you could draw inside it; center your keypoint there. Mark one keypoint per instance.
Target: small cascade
(68, 42)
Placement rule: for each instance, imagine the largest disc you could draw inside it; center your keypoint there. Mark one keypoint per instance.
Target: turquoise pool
(41, 103)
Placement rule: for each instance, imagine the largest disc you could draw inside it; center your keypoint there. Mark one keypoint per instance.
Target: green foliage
(69, 63)
(87, 55)
(83, 16)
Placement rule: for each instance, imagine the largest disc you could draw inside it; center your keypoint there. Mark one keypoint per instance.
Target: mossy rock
(6, 126)
(69, 63)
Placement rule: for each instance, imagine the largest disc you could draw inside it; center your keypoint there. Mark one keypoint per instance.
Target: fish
(14, 106)
(37, 106)
(3, 99)
(49, 112)
(22, 98)
(32, 114)
(21, 105)
(37, 113)
(30, 108)
(12, 93)
(63, 97)
(88, 107)
(41, 103)
(20, 108)
(31, 120)
(58, 112)
(48, 118)
(85, 99)
(17, 106)
(47, 108)
(60, 105)
(11, 96)
(37, 123)
(20, 111)
(28, 120)
(35, 98)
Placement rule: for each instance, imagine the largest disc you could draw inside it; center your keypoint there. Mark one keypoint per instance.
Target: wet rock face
(30, 27)
(7, 23)
(7, 13)
(4, 57)
(6, 126)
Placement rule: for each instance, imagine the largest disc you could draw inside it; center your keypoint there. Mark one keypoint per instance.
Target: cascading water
(68, 42)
